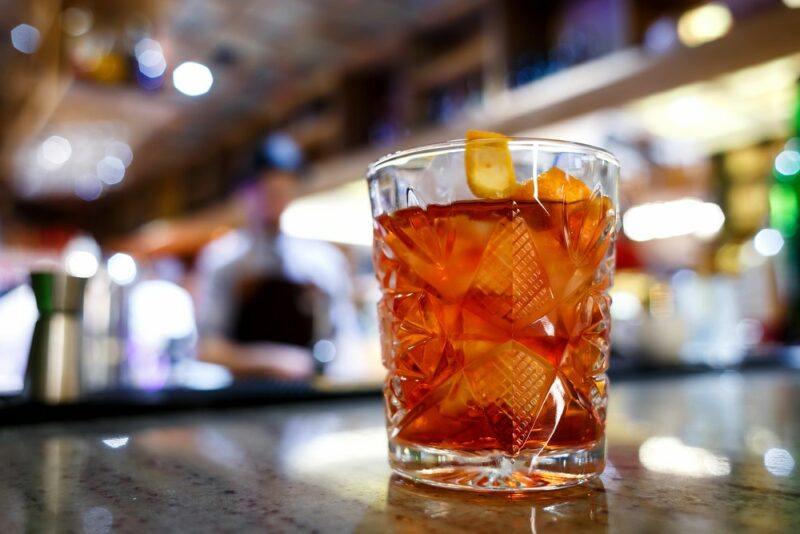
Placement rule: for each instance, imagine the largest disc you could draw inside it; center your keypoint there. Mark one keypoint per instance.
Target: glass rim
(448, 146)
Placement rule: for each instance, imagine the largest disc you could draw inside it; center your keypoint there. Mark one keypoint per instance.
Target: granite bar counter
(708, 453)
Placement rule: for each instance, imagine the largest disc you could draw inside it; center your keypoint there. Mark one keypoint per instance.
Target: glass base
(491, 471)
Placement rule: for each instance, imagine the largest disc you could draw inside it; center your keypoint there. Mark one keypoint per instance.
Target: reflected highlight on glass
(116, 442)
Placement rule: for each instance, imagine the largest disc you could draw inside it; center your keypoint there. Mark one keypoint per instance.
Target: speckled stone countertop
(711, 453)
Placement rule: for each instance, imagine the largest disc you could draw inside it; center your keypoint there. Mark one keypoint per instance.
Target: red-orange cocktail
(494, 326)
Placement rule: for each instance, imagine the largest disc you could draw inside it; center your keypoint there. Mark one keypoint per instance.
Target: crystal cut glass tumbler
(494, 316)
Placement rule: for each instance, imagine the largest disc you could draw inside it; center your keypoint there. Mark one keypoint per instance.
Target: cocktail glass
(494, 316)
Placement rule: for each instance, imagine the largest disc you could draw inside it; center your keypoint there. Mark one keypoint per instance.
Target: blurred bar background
(136, 137)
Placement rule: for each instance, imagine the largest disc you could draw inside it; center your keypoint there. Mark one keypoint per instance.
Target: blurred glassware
(104, 331)
(54, 374)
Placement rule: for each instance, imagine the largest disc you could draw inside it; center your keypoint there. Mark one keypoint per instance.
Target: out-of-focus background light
(709, 196)
(661, 220)
(82, 257)
(81, 159)
(110, 170)
(625, 306)
(341, 216)
(787, 163)
(768, 242)
(282, 151)
(25, 38)
(704, 24)
(122, 269)
(55, 151)
(661, 36)
(152, 63)
(81, 263)
(76, 21)
(671, 455)
(192, 78)
(324, 351)
(160, 311)
(150, 58)
(779, 462)
(121, 151)
(88, 187)
(194, 159)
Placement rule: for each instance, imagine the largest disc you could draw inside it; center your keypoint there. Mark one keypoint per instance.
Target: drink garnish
(490, 174)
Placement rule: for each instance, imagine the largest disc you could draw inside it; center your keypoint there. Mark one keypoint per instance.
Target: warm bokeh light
(77, 21)
(704, 24)
(736, 109)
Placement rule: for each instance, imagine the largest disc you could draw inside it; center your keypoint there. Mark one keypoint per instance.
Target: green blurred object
(784, 208)
(57, 292)
(784, 214)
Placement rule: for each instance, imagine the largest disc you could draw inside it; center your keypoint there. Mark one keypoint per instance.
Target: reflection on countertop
(709, 453)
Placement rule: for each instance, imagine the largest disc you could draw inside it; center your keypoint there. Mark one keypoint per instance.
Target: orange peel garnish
(553, 185)
(490, 174)
(489, 167)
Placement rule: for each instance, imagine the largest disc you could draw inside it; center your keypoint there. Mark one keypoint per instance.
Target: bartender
(265, 298)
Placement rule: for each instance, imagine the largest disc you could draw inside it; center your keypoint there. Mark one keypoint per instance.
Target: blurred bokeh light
(144, 144)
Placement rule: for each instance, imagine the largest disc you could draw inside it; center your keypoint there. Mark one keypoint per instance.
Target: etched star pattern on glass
(494, 317)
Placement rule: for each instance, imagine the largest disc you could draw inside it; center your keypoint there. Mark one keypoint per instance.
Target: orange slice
(490, 169)
(554, 185)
